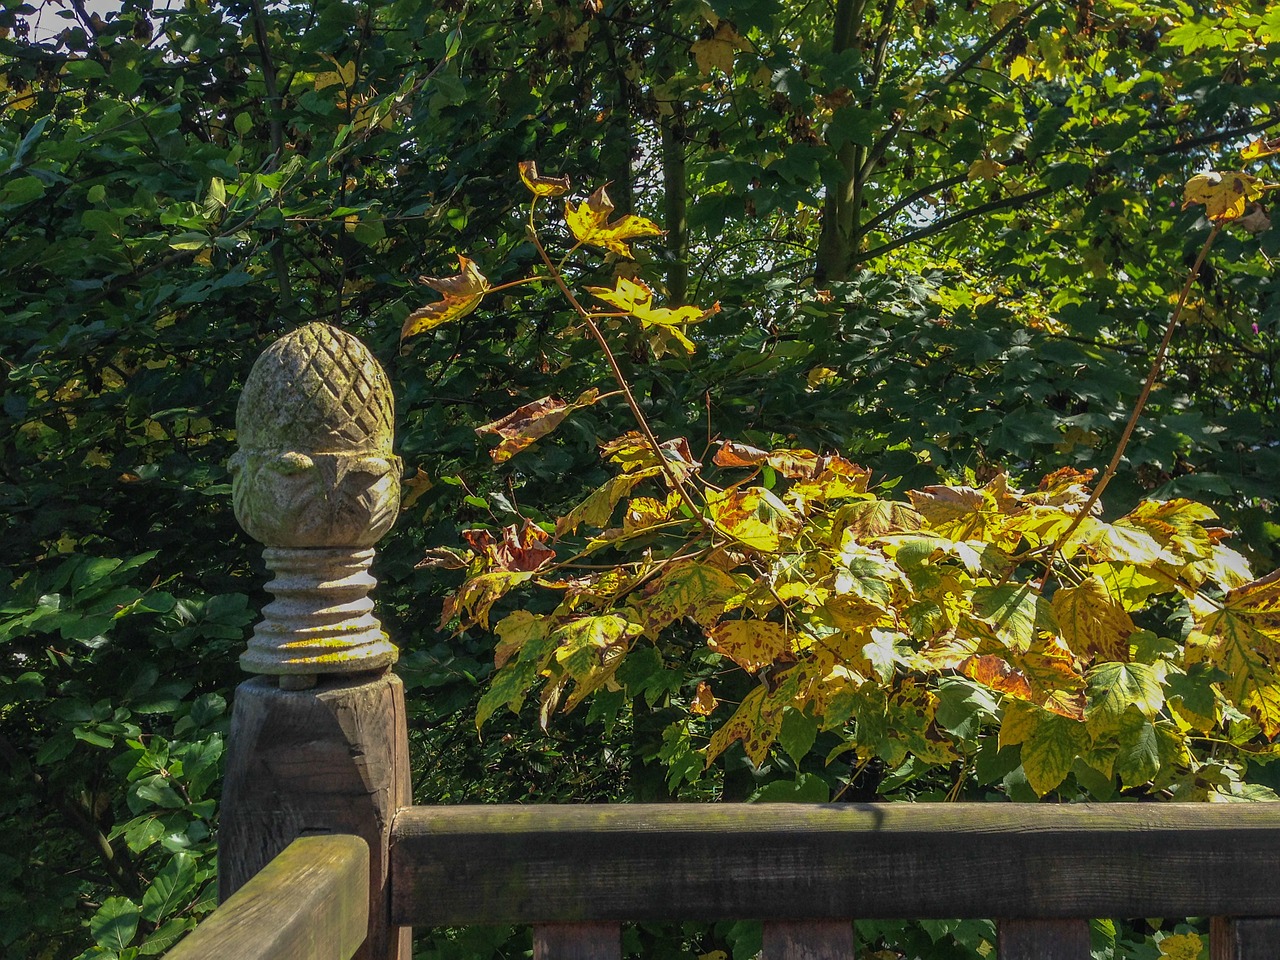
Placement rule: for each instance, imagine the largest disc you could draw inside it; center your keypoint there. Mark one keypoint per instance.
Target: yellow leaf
(1091, 623)
(1224, 195)
(527, 424)
(514, 631)
(597, 508)
(751, 644)
(1260, 148)
(1002, 12)
(1021, 68)
(996, 673)
(344, 75)
(589, 223)
(414, 487)
(1242, 637)
(590, 650)
(755, 723)
(985, 169)
(703, 705)
(753, 517)
(1181, 946)
(716, 51)
(461, 293)
(635, 298)
(541, 186)
(476, 597)
(698, 591)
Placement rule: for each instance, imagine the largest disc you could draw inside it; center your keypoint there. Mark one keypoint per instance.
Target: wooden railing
(321, 855)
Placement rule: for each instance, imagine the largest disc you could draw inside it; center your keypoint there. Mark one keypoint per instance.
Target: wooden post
(318, 742)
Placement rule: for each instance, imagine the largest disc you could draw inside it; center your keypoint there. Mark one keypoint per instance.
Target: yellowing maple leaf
(541, 186)
(704, 704)
(1260, 148)
(1224, 195)
(1091, 623)
(985, 169)
(635, 298)
(1242, 637)
(716, 51)
(462, 293)
(756, 723)
(751, 644)
(1181, 946)
(589, 223)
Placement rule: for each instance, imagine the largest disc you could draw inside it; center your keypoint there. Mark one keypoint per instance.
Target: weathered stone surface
(316, 482)
(315, 426)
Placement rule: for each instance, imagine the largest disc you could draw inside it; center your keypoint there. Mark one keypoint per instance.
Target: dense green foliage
(944, 237)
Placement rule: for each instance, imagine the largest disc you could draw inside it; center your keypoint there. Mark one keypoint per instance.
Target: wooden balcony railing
(321, 855)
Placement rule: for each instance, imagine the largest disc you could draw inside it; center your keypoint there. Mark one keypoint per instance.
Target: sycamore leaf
(461, 294)
(1242, 637)
(541, 186)
(755, 723)
(344, 75)
(526, 425)
(704, 701)
(996, 674)
(477, 595)
(634, 298)
(514, 631)
(597, 508)
(590, 649)
(753, 517)
(687, 589)
(1225, 195)
(1260, 148)
(1012, 610)
(1137, 758)
(1050, 743)
(716, 51)
(1115, 687)
(589, 223)
(866, 574)
(1091, 623)
(751, 644)
(510, 685)
(1181, 946)
(868, 519)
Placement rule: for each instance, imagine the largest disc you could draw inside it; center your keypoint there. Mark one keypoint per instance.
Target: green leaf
(1012, 610)
(1115, 687)
(170, 889)
(115, 923)
(21, 190)
(797, 735)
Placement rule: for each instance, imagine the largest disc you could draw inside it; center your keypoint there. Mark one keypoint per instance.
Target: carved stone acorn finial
(316, 482)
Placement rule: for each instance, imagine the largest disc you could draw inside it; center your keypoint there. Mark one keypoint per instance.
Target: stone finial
(316, 482)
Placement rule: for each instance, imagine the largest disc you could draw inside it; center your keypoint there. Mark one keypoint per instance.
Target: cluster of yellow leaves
(849, 608)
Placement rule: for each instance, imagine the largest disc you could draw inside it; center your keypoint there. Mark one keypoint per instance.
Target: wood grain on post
(1043, 940)
(318, 742)
(332, 759)
(808, 940)
(577, 941)
(1244, 938)
(307, 904)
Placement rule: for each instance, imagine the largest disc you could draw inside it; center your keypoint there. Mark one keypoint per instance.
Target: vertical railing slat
(577, 941)
(808, 940)
(1244, 938)
(1044, 940)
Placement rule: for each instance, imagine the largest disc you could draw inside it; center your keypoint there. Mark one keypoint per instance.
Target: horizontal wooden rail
(575, 863)
(310, 903)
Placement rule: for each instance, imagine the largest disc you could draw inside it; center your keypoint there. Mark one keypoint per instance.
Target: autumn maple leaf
(461, 294)
(541, 186)
(590, 224)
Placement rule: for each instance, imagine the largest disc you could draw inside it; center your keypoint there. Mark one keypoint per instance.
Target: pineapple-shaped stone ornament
(316, 482)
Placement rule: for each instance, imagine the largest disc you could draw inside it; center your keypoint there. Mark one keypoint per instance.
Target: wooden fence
(322, 856)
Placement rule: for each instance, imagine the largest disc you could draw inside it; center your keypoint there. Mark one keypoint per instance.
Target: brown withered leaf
(521, 549)
(541, 186)
(525, 425)
(461, 294)
(996, 673)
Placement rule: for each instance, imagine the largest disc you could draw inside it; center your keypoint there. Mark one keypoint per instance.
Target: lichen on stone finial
(316, 482)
